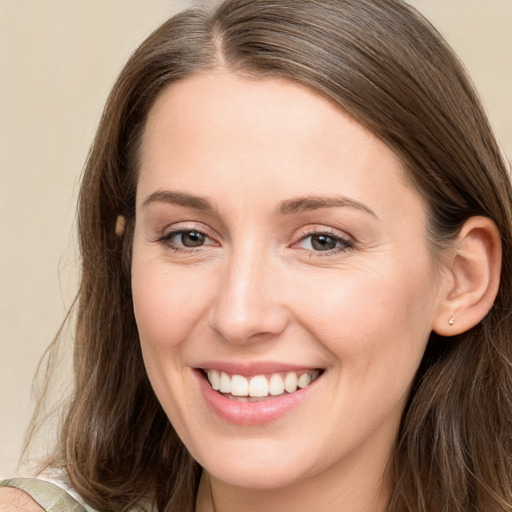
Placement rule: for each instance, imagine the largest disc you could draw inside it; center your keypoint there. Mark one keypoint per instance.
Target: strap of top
(50, 497)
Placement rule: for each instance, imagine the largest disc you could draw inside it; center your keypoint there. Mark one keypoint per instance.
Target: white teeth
(239, 386)
(214, 378)
(260, 386)
(225, 383)
(304, 380)
(276, 385)
(290, 382)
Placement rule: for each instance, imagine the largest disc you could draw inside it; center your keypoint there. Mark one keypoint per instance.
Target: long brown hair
(384, 64)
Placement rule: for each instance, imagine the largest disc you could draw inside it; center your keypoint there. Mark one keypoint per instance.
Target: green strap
(50, 497)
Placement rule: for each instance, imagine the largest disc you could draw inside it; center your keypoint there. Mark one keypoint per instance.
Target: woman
(295, 226)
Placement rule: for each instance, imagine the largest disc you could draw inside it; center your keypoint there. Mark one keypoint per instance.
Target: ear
(120, 226)
(472, 277)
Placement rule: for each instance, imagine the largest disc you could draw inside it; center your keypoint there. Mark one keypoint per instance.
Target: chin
(245, 474)
(258, 463)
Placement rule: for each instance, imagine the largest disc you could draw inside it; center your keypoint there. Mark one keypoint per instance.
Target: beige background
(58, 60)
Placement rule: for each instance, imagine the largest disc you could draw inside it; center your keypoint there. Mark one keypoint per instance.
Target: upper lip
(253, 368)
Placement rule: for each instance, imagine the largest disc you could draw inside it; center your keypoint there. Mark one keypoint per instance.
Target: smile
(256, 394)
(239, 387)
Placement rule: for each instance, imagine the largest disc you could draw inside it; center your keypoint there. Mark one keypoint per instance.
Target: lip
(252, 413)
(253, 369)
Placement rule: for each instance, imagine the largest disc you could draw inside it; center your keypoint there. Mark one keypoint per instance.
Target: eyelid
(187, 226)
(183, 227)
(305, 232)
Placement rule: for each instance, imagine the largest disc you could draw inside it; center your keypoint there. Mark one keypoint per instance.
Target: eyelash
(344, 244)
(167, 242)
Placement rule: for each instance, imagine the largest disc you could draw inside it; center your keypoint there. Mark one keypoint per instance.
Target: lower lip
(252, 413)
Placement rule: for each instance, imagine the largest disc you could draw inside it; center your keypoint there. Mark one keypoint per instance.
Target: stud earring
(451, 321)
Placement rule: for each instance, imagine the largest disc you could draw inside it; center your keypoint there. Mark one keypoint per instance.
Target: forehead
(227, 100)
(219, 129)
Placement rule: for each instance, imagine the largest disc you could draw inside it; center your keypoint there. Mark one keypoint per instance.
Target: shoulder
(16, 500)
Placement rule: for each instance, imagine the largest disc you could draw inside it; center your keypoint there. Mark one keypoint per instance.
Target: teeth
(303, 381)
(225, 383)
(276, 385)
(239, 386)
(214, 378)
(260, 385)
(290, 382)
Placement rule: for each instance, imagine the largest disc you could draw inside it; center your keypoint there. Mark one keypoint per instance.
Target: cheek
(169, 307)
(168, 303)
(373, 320)
(376, 336)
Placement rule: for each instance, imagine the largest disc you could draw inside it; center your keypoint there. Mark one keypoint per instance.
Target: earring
(451, 321)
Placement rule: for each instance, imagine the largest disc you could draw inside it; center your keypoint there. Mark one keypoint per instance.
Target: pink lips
(247, 413)
(250, 369)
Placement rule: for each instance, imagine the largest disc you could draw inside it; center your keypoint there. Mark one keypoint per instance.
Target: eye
(190, 238)
(325, 242)
(186, 239)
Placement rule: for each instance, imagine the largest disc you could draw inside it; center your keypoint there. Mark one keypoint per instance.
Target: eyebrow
(287, 207)
(179, 198)
(301, 204)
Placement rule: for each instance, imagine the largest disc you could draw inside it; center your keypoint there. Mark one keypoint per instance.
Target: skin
(258, 289)
(14, 500)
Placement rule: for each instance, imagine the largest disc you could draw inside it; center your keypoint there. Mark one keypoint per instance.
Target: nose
(247, 305)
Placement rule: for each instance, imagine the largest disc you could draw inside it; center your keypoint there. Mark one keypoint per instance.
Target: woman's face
(277, 242)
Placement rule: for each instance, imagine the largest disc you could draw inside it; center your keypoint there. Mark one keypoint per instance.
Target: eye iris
(192, 238)
(323, 242)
